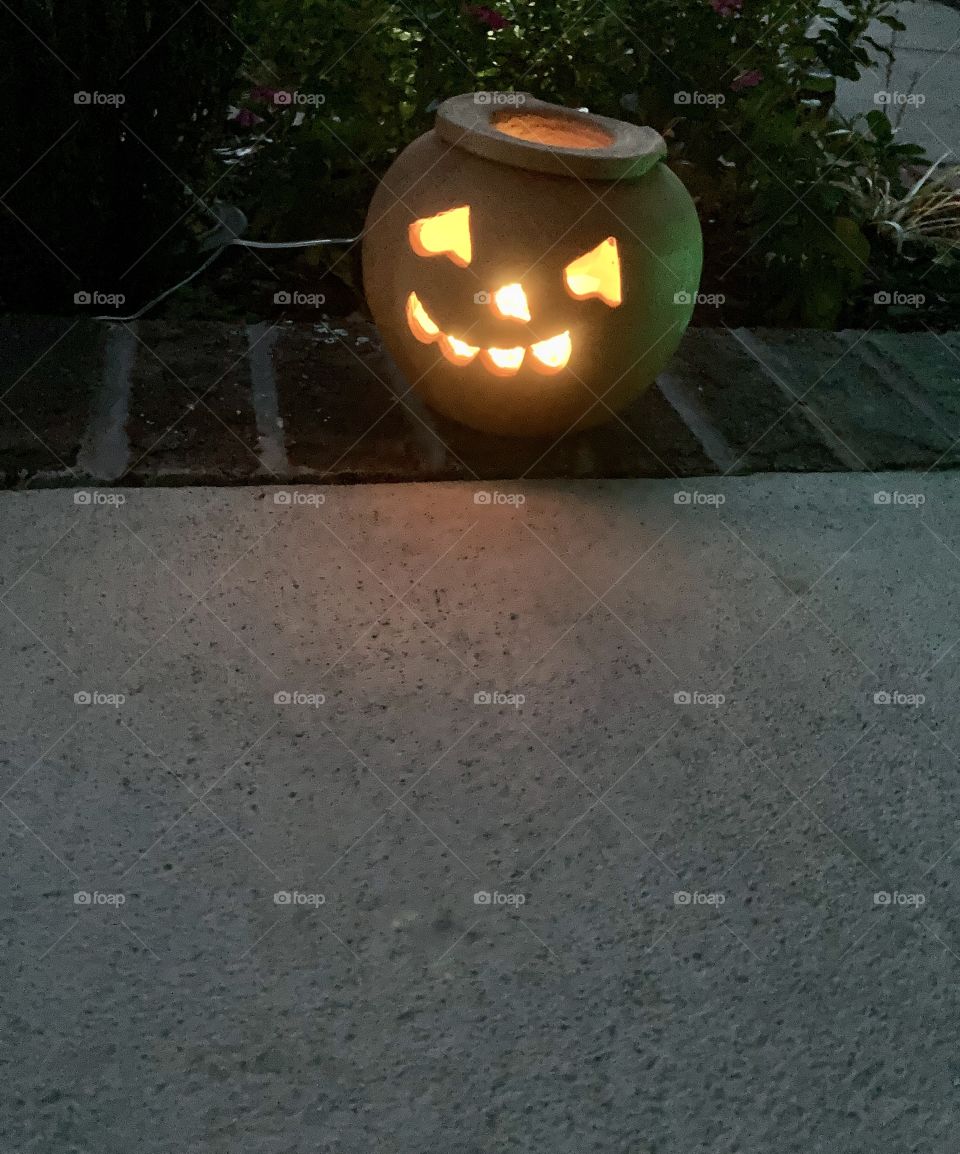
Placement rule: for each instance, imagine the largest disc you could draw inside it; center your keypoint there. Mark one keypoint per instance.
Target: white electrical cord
(220, 242)
(296, 243)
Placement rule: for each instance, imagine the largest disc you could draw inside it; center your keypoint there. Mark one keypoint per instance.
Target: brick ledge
(162, 404)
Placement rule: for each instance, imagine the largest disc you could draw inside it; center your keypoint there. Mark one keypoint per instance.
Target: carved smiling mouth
(547, 357)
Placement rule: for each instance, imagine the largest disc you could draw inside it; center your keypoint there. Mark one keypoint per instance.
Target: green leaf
(821, 305)
(855, 248)
(884, 49)
(820, 83)
(880, 125)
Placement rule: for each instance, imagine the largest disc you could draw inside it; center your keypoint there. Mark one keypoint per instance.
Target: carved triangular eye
(596, 274)
(446, 234)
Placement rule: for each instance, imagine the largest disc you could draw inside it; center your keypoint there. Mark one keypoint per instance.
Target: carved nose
(510, 302)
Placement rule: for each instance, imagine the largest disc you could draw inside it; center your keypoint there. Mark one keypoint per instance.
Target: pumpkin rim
(470, 123)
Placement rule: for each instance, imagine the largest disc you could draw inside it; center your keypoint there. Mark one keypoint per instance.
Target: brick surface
(339, 402)
(323, 402)
(648, 440)
(835, 375)
(49, 370)
(763, 427)
(191, 415)
(925, 366)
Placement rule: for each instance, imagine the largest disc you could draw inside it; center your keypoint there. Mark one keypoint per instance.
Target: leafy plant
(797, 204)
(927, 215)
(743, 90)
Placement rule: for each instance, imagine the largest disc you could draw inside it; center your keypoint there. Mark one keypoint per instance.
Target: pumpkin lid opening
(517, 129)
(554, 131)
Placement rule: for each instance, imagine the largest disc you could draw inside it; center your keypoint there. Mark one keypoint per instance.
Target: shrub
(742, 90)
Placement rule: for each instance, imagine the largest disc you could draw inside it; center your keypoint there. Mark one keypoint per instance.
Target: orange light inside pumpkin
(446, 234)
(553, 131)
(511, 301)
(457, 352)
(504, 362)
(420, 323)
(596, 274)
(549, 356)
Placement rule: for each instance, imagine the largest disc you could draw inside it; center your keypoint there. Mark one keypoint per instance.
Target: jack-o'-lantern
(531, 268)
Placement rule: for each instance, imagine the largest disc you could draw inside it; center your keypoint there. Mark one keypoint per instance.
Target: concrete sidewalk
(693, 744)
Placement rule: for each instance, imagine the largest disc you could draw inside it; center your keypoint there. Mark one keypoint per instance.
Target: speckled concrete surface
(699, 961)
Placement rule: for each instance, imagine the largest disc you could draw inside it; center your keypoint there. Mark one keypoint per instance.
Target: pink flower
(245, 118)
(264, 95)
(747, 80)
(489, 17)
(726, 7)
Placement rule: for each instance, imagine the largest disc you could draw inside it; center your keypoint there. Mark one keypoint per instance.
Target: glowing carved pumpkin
(531, 268)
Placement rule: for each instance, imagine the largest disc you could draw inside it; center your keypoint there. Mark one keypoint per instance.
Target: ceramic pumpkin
(530, 267)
